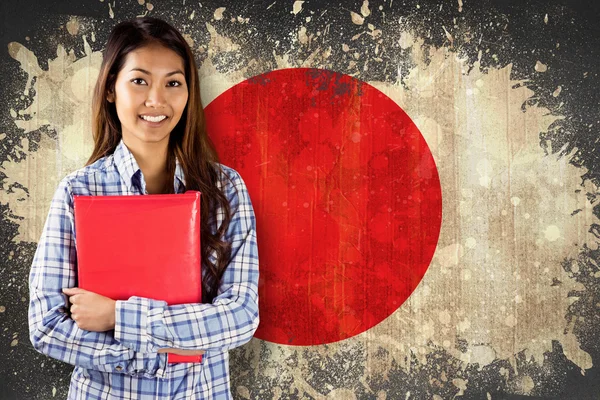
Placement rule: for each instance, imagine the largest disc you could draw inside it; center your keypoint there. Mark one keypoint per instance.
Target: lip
(154, 114)
(152, 124)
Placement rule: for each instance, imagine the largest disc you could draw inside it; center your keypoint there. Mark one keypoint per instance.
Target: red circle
(346, 194)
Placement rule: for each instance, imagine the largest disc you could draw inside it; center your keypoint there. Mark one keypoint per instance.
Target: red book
(146, 246)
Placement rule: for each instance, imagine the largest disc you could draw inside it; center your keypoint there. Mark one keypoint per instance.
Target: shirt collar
(179, 176)
(132, 175)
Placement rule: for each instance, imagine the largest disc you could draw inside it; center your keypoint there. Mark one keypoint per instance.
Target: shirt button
(119, 368)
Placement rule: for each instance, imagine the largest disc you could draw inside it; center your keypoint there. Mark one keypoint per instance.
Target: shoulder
(232, 185)
(241, 207)
(87, 180)
(229, 178)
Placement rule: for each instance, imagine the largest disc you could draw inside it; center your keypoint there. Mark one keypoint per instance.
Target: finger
(74, 298)
(74, 290)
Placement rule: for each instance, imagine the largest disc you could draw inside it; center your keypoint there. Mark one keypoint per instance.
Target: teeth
(154, 119)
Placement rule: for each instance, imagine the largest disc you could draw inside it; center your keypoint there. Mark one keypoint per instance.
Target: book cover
(141, 245)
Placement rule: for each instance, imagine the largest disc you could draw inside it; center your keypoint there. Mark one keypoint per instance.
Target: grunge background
(504, 92)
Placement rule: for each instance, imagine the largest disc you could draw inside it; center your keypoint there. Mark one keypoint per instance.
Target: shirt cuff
(131, 323)
(148, 364)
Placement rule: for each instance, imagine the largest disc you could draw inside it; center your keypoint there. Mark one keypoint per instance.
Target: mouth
(153, 121)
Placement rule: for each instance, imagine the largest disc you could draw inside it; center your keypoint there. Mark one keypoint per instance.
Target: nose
(156, 96)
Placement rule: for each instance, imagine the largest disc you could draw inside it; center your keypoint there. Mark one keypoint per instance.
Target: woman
(149, 138)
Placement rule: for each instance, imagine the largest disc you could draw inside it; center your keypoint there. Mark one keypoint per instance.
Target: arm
(52, 331)
(228, 322)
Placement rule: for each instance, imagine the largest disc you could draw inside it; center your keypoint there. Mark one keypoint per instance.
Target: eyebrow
(148, 73)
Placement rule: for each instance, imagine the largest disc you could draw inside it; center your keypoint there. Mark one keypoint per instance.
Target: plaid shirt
(124, 363)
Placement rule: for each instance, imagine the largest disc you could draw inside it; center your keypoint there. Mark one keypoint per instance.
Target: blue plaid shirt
(124, 363)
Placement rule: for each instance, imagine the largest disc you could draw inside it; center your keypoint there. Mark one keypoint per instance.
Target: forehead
(154, 57)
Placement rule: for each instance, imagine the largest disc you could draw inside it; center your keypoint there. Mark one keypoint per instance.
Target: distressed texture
(509, 302)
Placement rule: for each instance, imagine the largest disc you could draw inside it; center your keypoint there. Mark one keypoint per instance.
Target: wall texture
(504, 93)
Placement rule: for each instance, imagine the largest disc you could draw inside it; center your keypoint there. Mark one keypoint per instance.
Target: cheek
(125, 103)
(181, 103)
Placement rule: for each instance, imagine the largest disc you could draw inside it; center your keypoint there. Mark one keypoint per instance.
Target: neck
(152, 160)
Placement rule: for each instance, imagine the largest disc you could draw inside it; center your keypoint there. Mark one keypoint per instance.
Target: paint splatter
(297, 7)
(356, 18)
(218, 14)
(540, 67)
(364, 9)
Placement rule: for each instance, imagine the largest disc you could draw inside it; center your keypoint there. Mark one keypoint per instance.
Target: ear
(110, 97)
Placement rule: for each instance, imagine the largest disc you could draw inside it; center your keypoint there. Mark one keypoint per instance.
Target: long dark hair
(188, 141)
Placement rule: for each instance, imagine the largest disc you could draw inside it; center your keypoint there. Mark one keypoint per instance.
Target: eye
(177, 83)
(137, 79)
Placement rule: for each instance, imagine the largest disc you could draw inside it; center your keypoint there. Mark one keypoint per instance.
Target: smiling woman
(149, 134)
(150, 96)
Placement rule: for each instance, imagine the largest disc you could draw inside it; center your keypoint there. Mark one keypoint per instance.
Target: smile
(158, 118)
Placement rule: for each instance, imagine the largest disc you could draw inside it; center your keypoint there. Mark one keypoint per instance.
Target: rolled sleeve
(232, 317)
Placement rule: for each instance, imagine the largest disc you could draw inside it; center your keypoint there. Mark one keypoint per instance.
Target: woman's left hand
(91, 311)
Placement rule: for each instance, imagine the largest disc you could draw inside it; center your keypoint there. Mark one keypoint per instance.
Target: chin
(151, 137)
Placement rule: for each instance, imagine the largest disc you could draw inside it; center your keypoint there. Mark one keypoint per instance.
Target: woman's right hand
(180, 352)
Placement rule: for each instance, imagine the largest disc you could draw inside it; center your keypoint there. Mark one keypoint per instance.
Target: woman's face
(150, 94)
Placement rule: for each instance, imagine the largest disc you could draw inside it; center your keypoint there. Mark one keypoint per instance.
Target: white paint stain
(444, 317)
(243, 392)
(540, 67)
(526, 384)
(356, 18)
(364, 9)
(302, 37)
(471, 243)
(406, 40)
(481, 354)
(448, 35)
(73, 26)
(450, 255)
(461, 384)
(556, 93)
(218, 14)
(510, 321)
(552, 233)
(297, 7)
